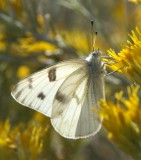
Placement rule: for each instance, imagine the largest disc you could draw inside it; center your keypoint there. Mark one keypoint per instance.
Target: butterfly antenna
(94, 35)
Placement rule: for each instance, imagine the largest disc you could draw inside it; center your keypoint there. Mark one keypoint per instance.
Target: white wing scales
(68, 89)
(66, 123)
(38, 90)
(78, 119)
(68, 93)
(89, 122)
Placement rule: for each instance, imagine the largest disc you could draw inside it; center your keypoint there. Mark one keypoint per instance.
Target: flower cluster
(27, 143)
(135, 1)
(123, 121)
(128, 60)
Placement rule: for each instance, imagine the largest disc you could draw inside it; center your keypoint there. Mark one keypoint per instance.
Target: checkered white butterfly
(67, 92)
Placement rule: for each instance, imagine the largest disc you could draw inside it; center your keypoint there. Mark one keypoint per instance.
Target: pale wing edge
(79, 137)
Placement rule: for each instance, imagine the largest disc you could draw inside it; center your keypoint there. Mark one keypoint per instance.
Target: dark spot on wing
(60, 97)
(52, 74)
(30, 83)
(41, 95)
(18, 94)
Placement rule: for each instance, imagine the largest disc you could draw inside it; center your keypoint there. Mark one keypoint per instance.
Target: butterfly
(68, 93)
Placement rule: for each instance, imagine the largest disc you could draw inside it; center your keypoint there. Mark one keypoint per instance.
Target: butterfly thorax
(95, 64)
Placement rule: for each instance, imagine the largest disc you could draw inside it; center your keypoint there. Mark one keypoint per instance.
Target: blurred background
(36, 34)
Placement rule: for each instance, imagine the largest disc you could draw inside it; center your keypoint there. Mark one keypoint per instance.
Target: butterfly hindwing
(38, 90)
(75, 118)
(67, 91)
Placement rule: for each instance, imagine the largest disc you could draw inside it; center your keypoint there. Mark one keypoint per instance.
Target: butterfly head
(95, 55)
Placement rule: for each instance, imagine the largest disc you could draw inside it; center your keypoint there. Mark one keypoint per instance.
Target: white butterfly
(67, 92)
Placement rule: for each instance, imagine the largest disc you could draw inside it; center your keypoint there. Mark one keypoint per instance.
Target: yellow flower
(27, 142)
(6, 139)
(77, 39)
(30, 45)
(23, 71)
(16, 5)
(135, 1)
(30, 141)
(40, 20)
(128, 60)
(123, 121)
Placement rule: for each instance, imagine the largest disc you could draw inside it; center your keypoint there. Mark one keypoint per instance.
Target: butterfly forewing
(38, 90)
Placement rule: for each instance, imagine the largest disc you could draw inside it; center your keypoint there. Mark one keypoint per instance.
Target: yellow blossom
(23, 71)
(123, 121)
(27, 142)
(128, 60)
(16, 5)
(135, 1)
(40, 20)
(5, 138)
(77, 39)
(31, 141)
(30, 45)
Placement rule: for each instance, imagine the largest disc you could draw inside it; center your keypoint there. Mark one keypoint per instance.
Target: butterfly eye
(96, 53)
